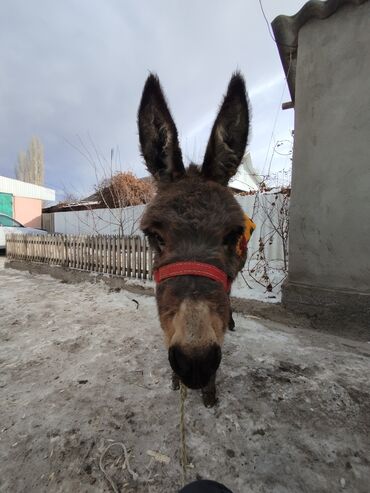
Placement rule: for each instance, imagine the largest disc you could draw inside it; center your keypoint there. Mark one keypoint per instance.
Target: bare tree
(21, 171)
(120, 191)
(30, 165)
(124, 189)
(117, 192)
(273, 210)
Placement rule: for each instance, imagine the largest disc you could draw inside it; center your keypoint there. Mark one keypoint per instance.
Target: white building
(246, 179)
(23, 201)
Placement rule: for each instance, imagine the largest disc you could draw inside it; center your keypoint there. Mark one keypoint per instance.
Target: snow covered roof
(23, 189)
(246, 179)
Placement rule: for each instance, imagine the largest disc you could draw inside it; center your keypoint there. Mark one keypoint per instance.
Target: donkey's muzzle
(195, 370)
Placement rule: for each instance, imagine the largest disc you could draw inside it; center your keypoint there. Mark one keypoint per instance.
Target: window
(9, 222)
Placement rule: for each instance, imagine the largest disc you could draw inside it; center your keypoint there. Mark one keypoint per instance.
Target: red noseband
(193, 269)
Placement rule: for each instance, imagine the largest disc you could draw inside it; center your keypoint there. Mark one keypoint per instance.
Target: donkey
(194, 224)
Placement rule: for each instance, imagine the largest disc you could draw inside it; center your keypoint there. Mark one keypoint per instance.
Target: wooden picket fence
(128, 256)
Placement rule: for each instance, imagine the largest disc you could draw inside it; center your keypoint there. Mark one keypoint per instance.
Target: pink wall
(27, 211)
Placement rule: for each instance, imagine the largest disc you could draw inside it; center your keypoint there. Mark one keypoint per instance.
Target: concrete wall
(27, 211)
(329, 247)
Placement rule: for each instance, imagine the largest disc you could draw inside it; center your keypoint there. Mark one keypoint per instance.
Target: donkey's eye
(233, 236)
(158, 239)
(155, 240)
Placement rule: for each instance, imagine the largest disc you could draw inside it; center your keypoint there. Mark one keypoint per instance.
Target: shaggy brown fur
(194, 217)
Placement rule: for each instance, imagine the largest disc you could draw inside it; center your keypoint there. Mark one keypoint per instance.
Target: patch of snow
(83, 366)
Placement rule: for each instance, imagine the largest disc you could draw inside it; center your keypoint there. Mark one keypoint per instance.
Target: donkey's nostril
(180, 363)
(195, 369)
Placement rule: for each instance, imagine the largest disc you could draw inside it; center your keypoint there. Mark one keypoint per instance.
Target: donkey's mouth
(200, 383)
(195, 371)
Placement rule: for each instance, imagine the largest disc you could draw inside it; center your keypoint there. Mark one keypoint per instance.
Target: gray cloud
(75, 69)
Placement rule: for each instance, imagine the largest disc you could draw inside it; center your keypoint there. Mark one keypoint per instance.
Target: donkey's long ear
(229, 134)
(158, 134)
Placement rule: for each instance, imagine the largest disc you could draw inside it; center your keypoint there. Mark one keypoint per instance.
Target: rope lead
(183, 458)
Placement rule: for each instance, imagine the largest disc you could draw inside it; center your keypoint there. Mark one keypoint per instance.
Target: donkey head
(194, 224)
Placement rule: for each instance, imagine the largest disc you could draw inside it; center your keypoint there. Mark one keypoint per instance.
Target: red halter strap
(192, 269)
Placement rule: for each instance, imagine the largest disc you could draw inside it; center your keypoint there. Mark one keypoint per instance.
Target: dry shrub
(124, 189)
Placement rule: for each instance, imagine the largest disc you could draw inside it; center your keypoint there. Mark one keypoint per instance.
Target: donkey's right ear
(158, 134)
(229, 134)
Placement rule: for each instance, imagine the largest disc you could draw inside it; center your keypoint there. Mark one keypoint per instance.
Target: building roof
(88, 203)
(286, 29)
(246, 178)
(93, 201)
(23, 189)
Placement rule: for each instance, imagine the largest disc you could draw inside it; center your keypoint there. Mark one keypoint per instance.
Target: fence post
(118, 242)
(8, 247)
(139, 254)
(81, 241)
(114, 253)
(125, 255)
(150, 262)
(109, 254)
(78, 245)
(128, 256)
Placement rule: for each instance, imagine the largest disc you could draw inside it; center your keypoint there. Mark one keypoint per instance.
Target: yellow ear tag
(242, 244)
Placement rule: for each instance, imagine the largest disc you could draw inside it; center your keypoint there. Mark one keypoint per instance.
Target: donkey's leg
(209, 392)
(175, 381)
(231, 322)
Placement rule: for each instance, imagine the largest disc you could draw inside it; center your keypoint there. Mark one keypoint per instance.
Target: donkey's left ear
(158, 134)
(229, 135)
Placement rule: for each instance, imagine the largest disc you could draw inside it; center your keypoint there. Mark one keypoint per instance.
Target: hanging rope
(183, 457)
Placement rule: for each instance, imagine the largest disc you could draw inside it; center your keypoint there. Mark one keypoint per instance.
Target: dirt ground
(83, 366)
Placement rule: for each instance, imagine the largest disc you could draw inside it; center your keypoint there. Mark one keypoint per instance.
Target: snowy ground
(82, 366)
(245, 286)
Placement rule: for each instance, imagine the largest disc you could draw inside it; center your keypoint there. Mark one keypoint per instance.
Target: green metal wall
(6, 203)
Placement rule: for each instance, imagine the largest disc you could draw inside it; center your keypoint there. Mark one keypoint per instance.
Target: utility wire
(278, 43)
(282, 94)
(275, 121)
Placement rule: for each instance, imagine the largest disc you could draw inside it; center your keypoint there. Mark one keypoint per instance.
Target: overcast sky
(72, 72)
